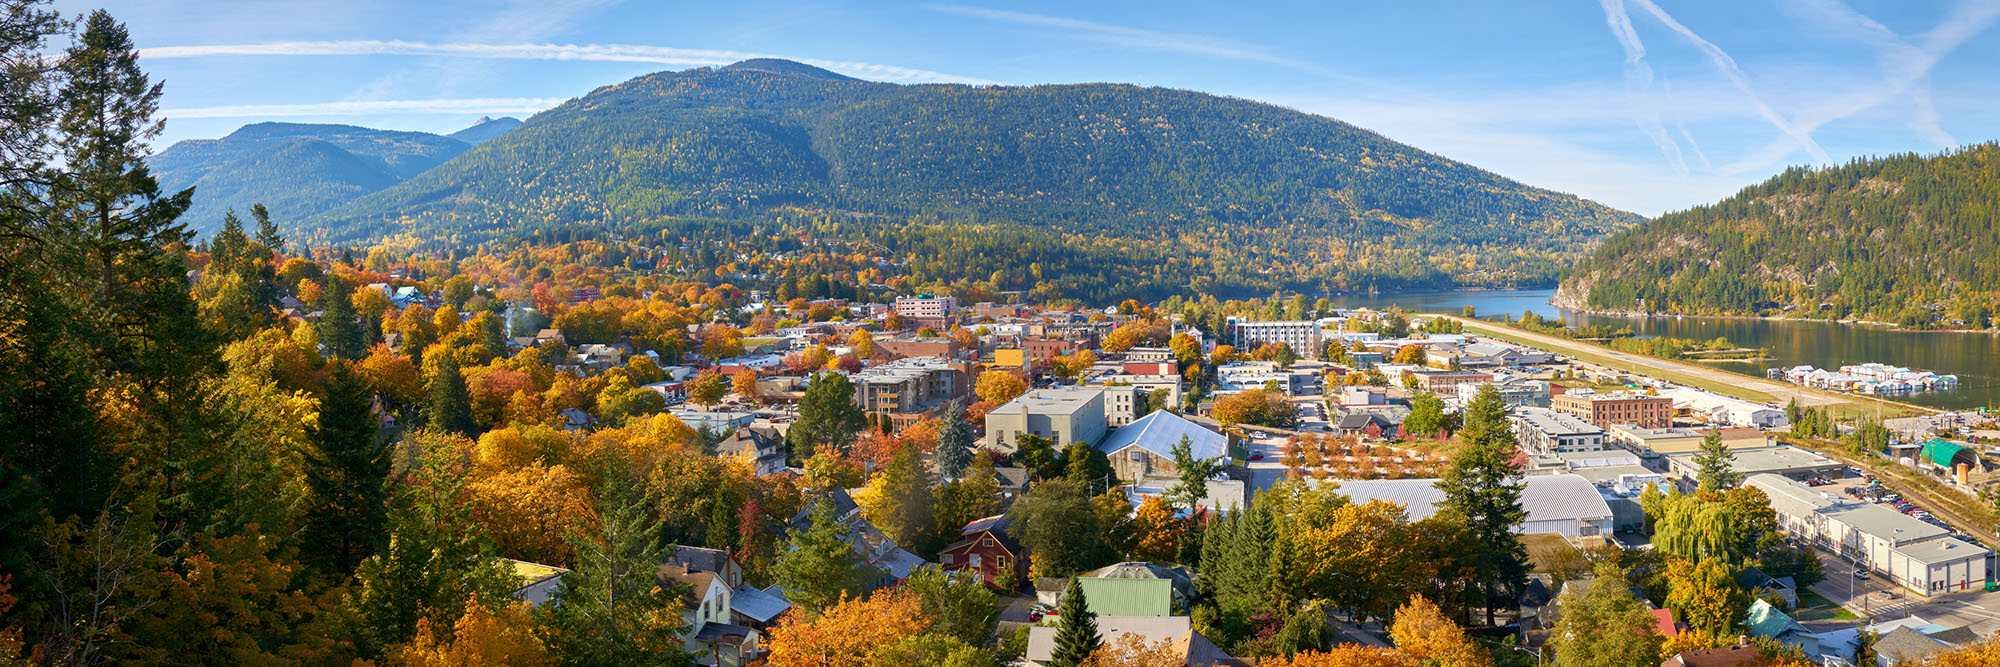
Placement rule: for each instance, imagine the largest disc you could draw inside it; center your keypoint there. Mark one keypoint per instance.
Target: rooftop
(1545, 497)
(1941, 550)
(1554, 424)
(1057, 401)
(1780, 457)
(1160, 431)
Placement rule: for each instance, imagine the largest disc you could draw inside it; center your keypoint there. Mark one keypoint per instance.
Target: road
(1875, 601)
(1778, 392)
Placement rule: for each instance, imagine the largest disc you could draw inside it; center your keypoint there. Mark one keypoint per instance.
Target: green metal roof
(1128, 597)
(1945, 453)
(1767, 622)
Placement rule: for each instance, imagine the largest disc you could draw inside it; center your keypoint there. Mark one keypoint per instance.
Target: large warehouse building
(1912, 553)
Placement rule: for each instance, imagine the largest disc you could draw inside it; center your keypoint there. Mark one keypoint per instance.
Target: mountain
(295, 169)
(1142, 190)
(1908, 239)
(487, 128)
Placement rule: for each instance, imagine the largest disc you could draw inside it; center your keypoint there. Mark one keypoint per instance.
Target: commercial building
(1911, 553)
(1146, 447)
(1620, 407)
(910, 385)
(901, 348)
(1545, 431)
(1515, 393)
(1149, 354)
(1044, 349)
(1245, 375)
(1448, 382)
(1785, 460)
(1302, 335)
(1568, 505)
(1066, 415)
(1654, 443)
(926, 306)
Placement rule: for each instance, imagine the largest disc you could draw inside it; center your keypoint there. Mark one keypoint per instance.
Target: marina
(1873, 379)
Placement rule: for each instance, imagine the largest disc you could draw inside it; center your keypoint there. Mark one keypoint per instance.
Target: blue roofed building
(1145, 448)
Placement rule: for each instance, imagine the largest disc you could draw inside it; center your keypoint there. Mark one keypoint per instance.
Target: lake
(1974, 358)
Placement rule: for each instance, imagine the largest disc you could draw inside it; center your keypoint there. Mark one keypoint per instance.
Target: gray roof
(1765, 459)
(699, 559)
(1902, 644)
(1154, 629)
(1941, 550)
(1160, 431)
(1055, 401)
(756, 604)
(1545, 497)
(1553, 423)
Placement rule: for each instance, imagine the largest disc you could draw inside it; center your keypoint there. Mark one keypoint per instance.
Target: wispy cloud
(631, 53)
(480, 105)
(1734, 73)
(1140, 38)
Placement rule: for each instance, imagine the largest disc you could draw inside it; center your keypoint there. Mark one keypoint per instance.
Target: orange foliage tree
(1344, 655)
(845, 634)
(1425, 633)
(482, 636)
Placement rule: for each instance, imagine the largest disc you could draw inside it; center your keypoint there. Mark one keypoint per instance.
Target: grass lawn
(1814, 607)
(1589, 352)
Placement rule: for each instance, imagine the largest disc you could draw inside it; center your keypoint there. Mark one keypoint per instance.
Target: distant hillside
(1107, 187)
(296, 169)
(1908, 239)
(487, 128)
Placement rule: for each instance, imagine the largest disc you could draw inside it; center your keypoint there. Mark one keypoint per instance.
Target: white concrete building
(1302, 335)
(1070, 414)
(1545, 431)
(1912, 553)
(926, 306)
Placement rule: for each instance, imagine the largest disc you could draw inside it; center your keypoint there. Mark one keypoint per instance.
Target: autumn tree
(1426, 634)
(999, 386)
(612, 608)
(482, 636)
(898, 502)
(707, 388)
(847, 631)
(1154, 532)
(745, 385)
(527, 509)
(1705, 596)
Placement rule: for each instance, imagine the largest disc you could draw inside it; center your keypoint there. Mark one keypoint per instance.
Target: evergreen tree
(901, 502)
(1482, 488)
(1076, 629)
(267, 231)
(1084, 464)
(1037, 454)
(971, 497)
(828, 417)
(339, 330)
(438, 560)
(1215, 557)
(448, 404)
(818, 567)
(347, 470)
(954, 448)
(1194, 474)
(1715, 465)
(611, 609)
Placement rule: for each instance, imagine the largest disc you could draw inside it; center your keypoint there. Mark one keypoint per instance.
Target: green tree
(1076, 629)
(1037, 454)
(1056, 522)
(957, 603)
(828, 417)
(1426, 418)
(899, 502)
(1605, 625)
(447, 402)
(818, 567)
(347, 471)
(1483, 489)
(339, 330)
(954, 436)
(1715, 464)
(611, 608)
(973, 496)
(1084, 463)
(1194, 474)
(438, 560)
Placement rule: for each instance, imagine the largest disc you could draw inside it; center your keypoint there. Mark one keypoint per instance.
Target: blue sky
(1647, 105)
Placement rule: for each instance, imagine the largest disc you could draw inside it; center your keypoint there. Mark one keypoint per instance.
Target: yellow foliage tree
(1426, 634)
(527, 509)
(845, 634)
(1344, 655)
(483, 636)
(999, 386)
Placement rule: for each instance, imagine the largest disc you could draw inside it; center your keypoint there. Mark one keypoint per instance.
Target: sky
(1644, 105)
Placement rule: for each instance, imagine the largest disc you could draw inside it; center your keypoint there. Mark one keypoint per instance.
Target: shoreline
(1600, 312)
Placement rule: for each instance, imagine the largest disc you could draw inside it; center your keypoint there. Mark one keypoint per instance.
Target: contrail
(1639, 83)
(632, 53)
(1735, 75)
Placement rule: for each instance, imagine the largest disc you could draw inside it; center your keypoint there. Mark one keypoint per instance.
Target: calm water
(1974, 358)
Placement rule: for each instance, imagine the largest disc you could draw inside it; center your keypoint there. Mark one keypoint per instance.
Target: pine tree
(954, 448)
(1194, 474)
(267, 231)
(348, 473)
(1076, 629)
(1215, 556)
(818, 567)
(1715, 465)
(609, 611)
(1483, 489)
(339, 331)
(901, 506)
(828, 417)
(448, 404)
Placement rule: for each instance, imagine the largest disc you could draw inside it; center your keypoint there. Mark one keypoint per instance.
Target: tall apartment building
(1621, 407)
(1069, 414)
(910, 385)
(925, 305)
(1303, 335)
(1545, 431)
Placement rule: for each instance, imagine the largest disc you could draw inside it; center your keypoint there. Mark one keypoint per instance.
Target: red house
(983, 546)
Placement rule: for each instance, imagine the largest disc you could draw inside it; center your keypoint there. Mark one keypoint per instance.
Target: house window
(947, 559)
(975, 560)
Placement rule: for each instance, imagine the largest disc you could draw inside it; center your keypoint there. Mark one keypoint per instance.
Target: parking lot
(1847, 487)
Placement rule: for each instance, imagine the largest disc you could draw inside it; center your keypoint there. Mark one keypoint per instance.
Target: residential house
(757, 608)
(1906, 646)
(539, 582)
(761, 446)
(1727, 656)
(716, 561)
(984, 547)
(1367, 424)
(891, 562)
(706, 617)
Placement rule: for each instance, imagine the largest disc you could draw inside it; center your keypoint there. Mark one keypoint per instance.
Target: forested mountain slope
(1101, 187)
(1909, 239)
(295, 169)
(487, 128)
